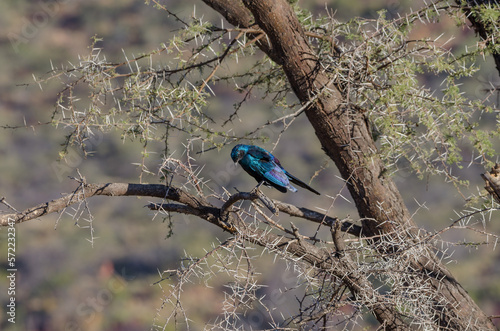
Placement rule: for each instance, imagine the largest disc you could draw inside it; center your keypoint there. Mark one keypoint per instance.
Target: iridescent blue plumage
(265, 167)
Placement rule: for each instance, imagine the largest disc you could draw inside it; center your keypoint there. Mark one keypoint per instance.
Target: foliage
(378, 66)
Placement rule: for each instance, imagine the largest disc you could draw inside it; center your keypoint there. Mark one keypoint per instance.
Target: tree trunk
(345, 137)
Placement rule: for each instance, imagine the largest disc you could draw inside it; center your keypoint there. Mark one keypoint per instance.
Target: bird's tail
(300, 183)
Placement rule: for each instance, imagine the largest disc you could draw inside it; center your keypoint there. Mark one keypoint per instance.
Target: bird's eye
(241, 154)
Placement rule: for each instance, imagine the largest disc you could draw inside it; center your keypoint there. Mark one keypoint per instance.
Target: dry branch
(110, 189)
(492, 182)
(187, 204)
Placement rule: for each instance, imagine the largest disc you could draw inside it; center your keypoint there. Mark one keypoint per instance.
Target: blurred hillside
(75, 277)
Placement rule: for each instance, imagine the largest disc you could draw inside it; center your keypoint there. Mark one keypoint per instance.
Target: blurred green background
(71, 279)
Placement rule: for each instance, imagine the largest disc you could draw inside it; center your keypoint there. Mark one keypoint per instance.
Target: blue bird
(266, 168)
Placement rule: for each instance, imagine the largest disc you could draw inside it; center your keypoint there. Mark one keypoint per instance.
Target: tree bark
(345, 137)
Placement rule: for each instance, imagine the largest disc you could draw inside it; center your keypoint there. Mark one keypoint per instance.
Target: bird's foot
(256, 189)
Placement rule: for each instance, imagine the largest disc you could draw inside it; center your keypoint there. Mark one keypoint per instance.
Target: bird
(266, 168)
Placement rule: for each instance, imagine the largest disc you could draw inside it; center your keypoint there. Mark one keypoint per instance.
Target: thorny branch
(188, 204)
(339, 263)
(317, 257)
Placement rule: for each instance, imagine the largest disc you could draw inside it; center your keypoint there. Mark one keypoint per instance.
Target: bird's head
(238, 152)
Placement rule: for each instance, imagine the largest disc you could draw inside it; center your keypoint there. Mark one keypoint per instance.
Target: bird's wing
(260, 153)
(277, 176)
(266, 166)
(263, 164)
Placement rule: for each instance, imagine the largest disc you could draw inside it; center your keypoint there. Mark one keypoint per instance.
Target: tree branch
(492, 182)
(295, 211)
(483, 28)
(110, 189)
(188, 204)
(235, 12)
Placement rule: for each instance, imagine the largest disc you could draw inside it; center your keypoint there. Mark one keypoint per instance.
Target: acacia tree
(357, 84)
